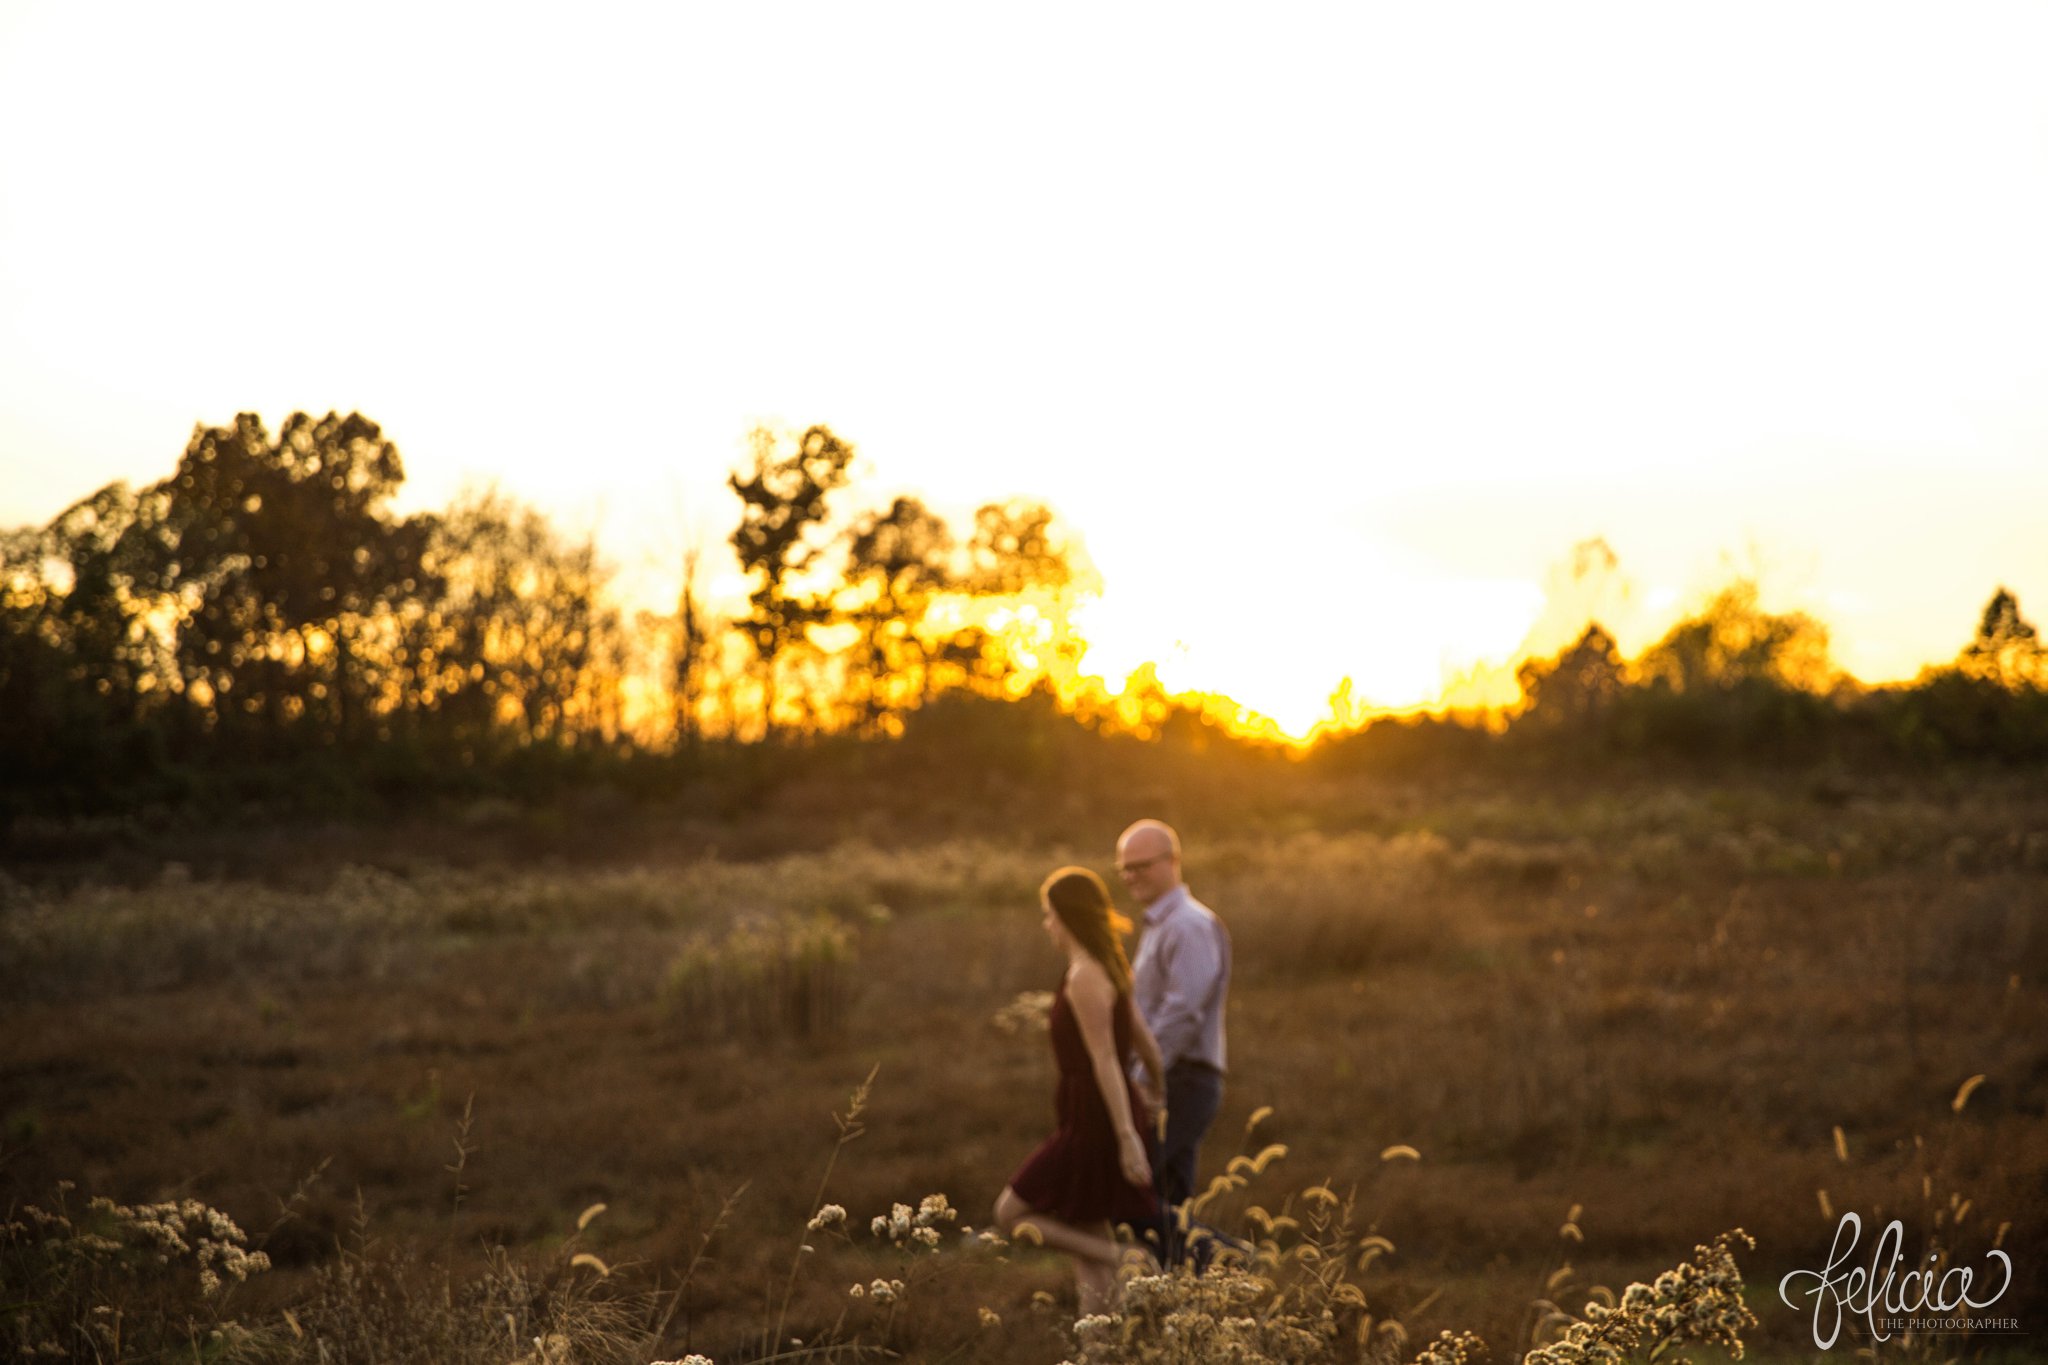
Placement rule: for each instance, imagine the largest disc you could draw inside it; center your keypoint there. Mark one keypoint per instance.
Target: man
(1179, 980)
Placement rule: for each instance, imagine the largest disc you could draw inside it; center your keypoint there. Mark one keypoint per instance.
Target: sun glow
(1280, 641)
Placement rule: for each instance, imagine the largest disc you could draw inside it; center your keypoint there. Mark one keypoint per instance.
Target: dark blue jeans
(1194, 1093)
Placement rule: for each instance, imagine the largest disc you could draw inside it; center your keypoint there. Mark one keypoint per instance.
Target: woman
(1096, 1169)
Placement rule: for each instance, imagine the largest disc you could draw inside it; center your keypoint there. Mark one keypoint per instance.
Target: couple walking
(1131, 1042)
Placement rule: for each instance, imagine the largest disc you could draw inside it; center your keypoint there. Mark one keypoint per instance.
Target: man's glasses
(1142, 863)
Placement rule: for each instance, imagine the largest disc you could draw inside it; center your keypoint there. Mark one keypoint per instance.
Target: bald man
(1179, 980)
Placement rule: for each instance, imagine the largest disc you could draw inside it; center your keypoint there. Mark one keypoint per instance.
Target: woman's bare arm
(1094, 1000)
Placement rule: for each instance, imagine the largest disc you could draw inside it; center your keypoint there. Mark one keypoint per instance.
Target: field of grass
(1651, 1011)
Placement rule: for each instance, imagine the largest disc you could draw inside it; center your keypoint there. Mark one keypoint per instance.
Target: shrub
(120, 1281)
(768, 974)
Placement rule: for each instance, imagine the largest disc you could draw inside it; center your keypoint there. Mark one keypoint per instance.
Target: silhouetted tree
(1992, 702)
(1012, 550)
(86, 672)
(784, 498)
(1012, 554)
(286, 564)
(1733, 679)
(896, 566)
(2007, 649)
(1578, 686)
(104, 612)
(690, 656)
(1732, 642)
(518, 646)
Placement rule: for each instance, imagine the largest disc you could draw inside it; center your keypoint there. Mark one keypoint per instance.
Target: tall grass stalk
(850, 1129)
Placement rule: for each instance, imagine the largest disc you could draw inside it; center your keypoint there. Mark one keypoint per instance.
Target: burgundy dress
(1075, 1174)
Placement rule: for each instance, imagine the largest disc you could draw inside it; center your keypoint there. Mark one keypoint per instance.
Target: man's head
(1148, 859)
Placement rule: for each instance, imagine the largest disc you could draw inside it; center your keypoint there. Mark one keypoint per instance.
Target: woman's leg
(1095, 1285)
(1013, 1214)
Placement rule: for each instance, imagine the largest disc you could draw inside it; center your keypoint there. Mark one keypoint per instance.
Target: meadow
(1524, 1039)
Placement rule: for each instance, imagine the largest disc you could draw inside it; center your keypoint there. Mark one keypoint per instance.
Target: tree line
(1735, 682)
(262, 614)
(261, 624)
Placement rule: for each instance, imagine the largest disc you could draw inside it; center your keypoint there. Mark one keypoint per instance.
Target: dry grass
(1658, 1004)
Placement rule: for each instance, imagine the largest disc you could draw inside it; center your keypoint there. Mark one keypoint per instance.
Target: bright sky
(1332, 330)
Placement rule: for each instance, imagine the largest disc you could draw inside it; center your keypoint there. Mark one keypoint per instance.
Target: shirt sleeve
(1189, 963)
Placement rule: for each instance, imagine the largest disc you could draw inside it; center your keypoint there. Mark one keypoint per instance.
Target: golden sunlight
(1279, 641)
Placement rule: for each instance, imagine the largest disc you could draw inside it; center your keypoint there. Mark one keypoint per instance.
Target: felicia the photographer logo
(1928, 1298)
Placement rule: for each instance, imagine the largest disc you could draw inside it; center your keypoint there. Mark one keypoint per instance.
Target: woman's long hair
(1082, 902)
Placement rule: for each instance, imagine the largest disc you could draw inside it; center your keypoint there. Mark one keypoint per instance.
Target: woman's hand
(1130, 1150)
(1094, 1001)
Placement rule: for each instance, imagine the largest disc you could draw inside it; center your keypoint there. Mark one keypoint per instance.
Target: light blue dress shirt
(1181, 978)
